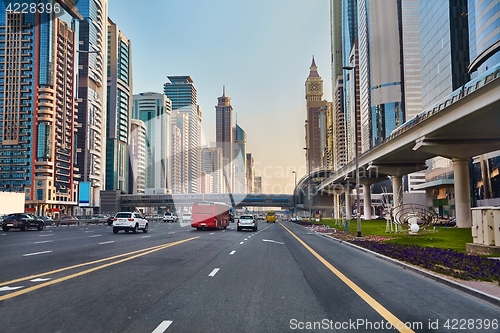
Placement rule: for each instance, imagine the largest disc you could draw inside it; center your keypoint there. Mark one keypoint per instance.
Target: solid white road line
(35, 253)
(163, 326)
(214, 272)
(232, 252)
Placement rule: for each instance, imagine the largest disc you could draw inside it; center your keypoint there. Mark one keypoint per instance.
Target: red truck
(210, 215)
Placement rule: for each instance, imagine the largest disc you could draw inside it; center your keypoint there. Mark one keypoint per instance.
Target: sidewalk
(487, 291)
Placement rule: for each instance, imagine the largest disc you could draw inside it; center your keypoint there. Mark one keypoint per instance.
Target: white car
(129, 221)
(187, 218)
(170, 217)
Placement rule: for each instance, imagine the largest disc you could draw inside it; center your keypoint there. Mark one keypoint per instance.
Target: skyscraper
(92, 95)
(239, 160)
(119, 108)
(155, 109)
(224, 125)
(37, 108)
(137, 153)
(314, 103)
(181, 91)
(212, 165)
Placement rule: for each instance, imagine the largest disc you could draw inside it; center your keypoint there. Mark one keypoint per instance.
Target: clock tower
(314, 84)
(314, 105)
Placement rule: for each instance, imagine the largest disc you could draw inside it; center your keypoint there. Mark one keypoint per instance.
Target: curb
(469, 290)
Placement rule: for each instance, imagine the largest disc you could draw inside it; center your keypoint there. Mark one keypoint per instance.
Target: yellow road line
(395, 322)
(77, 266)
(68, 277)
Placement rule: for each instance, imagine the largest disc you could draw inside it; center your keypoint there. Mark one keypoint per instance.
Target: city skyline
(261, 57)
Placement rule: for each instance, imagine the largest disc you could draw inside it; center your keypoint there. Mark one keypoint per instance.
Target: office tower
(155, 109)
(350, 82)
(239, 160)
(314, 102)
(380, 70)
(326, 135)
(484, 41)
(338, 120)
(250, 173)
(180, 162)
(37, 108)
(119, 107)
(257, 185)
(92, 95)
(411, 74)
(137, 153)
(175, 159)
(212, 165)
(444, 49)
(224, 125)
(181, 91)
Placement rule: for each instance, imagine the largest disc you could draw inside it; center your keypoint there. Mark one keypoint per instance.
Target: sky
(260, 50)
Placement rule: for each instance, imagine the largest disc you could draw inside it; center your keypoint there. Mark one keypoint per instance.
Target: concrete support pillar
(348, 209)
(397, 192)
(462, 193)
(367, 202)
(336, 206)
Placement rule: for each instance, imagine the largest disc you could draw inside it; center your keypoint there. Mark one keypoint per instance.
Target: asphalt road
(282, 278)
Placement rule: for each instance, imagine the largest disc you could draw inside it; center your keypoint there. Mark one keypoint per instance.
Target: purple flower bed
(449, 262)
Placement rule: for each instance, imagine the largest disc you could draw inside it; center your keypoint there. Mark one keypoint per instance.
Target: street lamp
(309, 186)
(293, 193)
(356, 152)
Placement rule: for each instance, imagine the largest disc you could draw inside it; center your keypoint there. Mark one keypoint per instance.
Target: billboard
(84, 194)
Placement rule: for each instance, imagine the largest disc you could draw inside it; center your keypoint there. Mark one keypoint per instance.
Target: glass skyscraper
(37, 108)
(181, 91)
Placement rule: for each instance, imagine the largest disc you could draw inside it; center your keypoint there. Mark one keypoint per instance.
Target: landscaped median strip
(395, 322)
(133, 255)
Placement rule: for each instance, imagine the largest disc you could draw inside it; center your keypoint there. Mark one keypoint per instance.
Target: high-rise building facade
(92, 95)
(338, 119)
(484, 42)
(239, 160)
(250, 173)
(411, 74)
(314, 102)
(37, 108)
(180, 151)
(181, 91)
(224, 125)
(119, 107)
(212, 165)
(155, 109)
(137, 153)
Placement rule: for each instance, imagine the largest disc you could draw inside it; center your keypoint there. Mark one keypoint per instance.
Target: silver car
(247, 222)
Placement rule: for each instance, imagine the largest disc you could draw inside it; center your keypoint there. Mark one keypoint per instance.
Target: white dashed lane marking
(35, 253)
(214, 272)
(163, 326)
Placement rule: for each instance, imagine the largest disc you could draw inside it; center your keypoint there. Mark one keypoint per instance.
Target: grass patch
(439, 237)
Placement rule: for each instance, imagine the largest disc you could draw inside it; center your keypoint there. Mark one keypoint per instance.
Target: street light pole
(293, 193)
(309, 186)
(356, 152)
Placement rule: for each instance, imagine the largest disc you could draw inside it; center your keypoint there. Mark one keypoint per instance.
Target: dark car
(22, 221)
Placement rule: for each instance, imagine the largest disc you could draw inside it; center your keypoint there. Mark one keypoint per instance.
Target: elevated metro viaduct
(461, 127)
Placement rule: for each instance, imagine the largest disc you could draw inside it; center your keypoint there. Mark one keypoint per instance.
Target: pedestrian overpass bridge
(234, 200)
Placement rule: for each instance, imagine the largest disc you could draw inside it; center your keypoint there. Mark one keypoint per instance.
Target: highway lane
(222, 281)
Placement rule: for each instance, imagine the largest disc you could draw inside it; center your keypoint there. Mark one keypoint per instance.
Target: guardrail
(81, 222)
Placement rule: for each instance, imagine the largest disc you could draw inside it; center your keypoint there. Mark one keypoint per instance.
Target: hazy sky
(260, 50)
